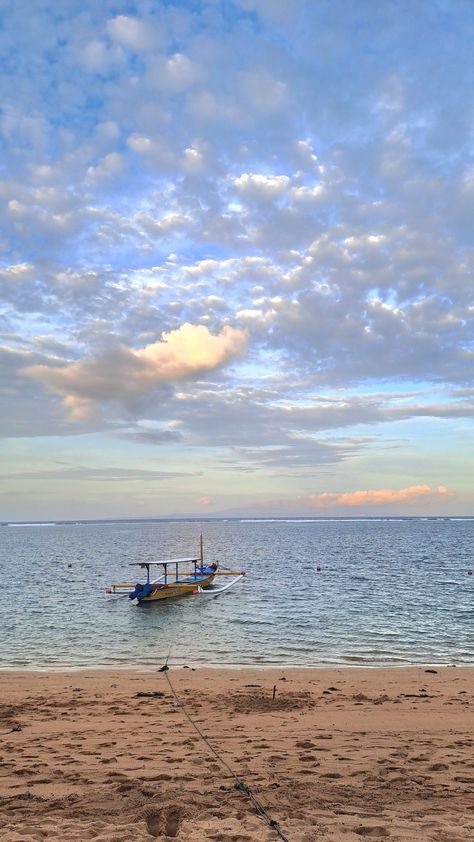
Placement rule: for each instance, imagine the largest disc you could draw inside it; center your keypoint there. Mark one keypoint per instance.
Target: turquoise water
(388, 592)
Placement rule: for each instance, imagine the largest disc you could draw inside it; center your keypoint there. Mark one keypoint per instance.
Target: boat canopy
(164, 561)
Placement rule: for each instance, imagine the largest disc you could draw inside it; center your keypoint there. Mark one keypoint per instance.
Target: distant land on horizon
(183, 518)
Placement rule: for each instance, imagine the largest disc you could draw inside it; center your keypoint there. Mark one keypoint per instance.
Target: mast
(201, 551)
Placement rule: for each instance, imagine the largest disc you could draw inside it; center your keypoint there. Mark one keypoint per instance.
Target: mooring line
(239, 783)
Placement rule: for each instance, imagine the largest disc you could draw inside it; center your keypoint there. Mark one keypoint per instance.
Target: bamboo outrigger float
(174, 581)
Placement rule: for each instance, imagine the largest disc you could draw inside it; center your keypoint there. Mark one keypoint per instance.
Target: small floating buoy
(318, 569)
(469, 572)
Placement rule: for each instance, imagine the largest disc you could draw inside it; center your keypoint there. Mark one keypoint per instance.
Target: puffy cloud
(130, 32)
(95, 57)
(258, 186)
(16, 272)
(175, 74)
(193, 159)
(111, 166)
(381, 497)
(123, 373)
(159, 227)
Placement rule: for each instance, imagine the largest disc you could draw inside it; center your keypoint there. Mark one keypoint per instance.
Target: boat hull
(174, 589)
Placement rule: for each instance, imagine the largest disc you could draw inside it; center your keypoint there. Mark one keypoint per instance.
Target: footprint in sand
(165, 822)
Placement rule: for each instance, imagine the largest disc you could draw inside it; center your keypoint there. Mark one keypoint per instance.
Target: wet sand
(337, 755)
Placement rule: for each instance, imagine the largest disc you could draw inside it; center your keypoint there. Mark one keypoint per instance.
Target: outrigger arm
(215, 591)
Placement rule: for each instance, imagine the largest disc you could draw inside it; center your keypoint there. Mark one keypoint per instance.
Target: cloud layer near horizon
(379, 497)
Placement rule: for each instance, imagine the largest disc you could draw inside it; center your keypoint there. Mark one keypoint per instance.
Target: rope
(239, 784)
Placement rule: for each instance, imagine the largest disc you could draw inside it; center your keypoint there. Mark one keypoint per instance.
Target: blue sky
(236, 258)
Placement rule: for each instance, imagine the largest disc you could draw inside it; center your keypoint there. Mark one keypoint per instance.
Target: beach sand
(337, 755)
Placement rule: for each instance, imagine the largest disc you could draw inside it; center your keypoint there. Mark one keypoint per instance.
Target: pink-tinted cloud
(123, 373)
(205, 501)
(379, 497)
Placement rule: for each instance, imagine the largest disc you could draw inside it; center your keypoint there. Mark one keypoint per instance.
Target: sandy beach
(337, 755)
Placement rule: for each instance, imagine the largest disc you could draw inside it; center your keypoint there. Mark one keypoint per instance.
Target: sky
(236, 258)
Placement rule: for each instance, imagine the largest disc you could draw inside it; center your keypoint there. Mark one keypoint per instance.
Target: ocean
(388, 592)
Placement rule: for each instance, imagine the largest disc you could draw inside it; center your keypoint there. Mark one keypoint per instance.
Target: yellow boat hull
(176, 589)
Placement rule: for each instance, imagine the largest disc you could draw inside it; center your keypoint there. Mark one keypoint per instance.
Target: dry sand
(338, 755)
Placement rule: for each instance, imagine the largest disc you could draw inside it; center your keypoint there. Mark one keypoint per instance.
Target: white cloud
(95, 57)
(111, 166)
(193, 159)
(123, 373)
(255, 185)
(179, 73)
(131, 33)
(159, 227)
(308, 193)
(17, 272)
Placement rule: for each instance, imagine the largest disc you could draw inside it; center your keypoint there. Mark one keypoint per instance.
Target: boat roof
(164, 561)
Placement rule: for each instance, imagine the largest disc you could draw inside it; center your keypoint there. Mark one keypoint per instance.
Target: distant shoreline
(148, 669)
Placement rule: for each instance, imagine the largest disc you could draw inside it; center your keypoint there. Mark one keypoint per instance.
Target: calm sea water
(388, 592)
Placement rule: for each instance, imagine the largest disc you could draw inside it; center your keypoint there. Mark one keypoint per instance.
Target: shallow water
(388, 592)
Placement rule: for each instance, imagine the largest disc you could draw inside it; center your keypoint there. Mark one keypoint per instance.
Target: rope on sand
(239, 784)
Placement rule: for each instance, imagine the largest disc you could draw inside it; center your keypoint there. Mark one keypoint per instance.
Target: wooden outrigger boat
(174, 581)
